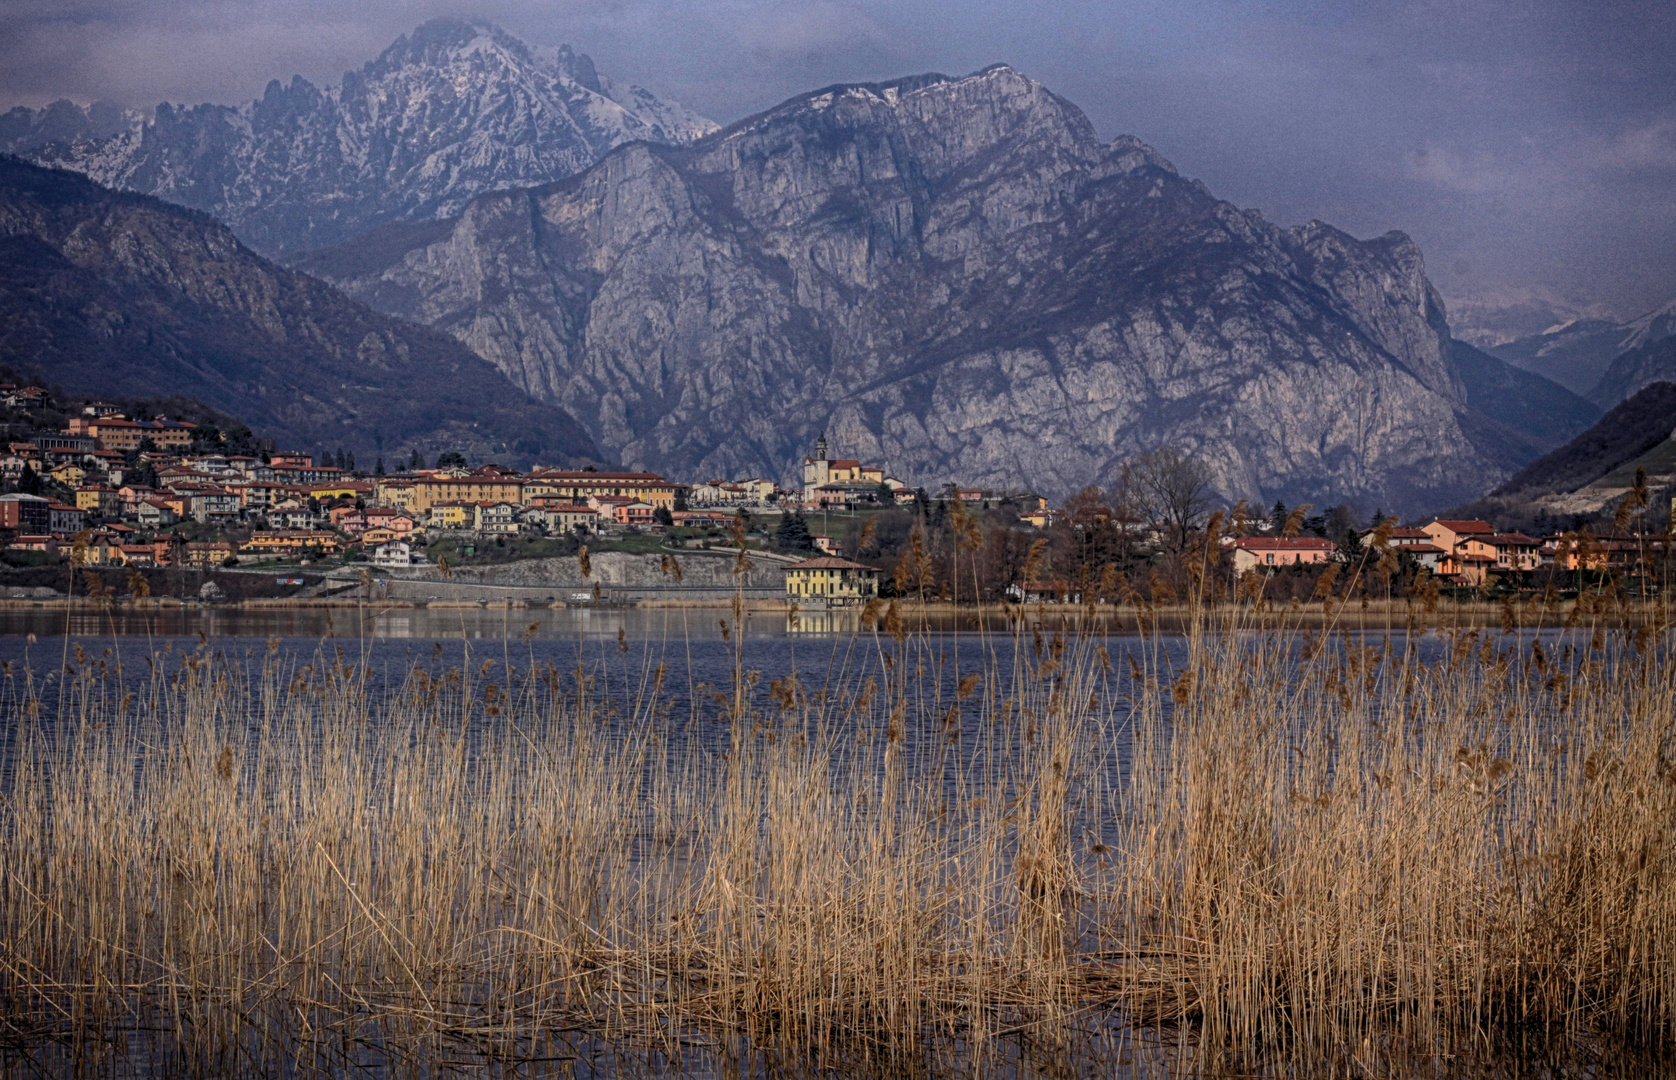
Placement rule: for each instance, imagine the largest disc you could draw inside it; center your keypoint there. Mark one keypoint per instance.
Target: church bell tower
(816, 470)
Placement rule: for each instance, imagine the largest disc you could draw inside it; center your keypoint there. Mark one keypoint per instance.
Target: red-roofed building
(1274, 552)
(1517, 553)
(837, 475)
(1469, 551)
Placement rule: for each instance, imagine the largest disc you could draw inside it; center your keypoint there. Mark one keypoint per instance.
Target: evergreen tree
(342, 461)
(351, 463)
(793, 533)
(415, 462)
(378, 469)
(30, 482)
(1349, 548)
(1277, 516)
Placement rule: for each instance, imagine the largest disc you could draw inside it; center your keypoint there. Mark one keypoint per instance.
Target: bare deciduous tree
(1172, 487)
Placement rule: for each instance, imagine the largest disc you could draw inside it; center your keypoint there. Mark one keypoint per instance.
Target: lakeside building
(830, 582)
(1044, 592)
(396, 553)
(1415, 543)
(1278, 552)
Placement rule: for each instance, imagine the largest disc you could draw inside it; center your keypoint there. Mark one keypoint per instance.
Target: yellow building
(207, 554)
(398, 493)
(468, 489)
(69, 475)
(99, 500)
(291, 542)
(580, 486)
(343, 489)
(828, 581)
(453, 515)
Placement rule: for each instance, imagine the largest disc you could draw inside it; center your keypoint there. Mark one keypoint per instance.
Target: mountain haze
(111, 293)
(451, 110)
(955, 277)
(1636, 368)
(24, 129)
(1527, 414)
(1577, 354)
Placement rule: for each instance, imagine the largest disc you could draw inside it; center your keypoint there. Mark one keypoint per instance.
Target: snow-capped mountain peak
(451, 110)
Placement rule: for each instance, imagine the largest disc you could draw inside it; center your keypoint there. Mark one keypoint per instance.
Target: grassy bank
(1290, 852)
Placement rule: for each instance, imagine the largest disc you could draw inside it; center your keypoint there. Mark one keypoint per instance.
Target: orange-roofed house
(1469, 551)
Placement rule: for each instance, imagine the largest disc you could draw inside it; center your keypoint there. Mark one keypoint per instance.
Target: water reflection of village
(834, 621)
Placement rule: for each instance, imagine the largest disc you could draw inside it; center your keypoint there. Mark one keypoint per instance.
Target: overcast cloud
(1530, 147)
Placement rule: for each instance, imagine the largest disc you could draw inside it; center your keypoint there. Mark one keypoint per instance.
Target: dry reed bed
(1290, 848)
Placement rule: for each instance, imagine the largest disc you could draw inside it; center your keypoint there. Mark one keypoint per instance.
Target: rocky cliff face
(445, 113)
(954, 277)
(110, 293)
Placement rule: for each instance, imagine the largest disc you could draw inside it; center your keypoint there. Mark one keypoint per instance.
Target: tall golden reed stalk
(1268, 850)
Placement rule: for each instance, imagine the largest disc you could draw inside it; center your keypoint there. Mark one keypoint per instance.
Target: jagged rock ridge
(23, 129)
(956, 277)
(447, 112)
(113, 293)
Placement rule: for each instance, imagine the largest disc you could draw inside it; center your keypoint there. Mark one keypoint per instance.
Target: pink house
(1273, 552)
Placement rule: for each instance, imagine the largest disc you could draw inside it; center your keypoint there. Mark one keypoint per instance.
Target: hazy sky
(1530, 147)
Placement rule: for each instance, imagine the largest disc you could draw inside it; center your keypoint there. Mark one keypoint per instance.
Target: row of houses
(1466, 552)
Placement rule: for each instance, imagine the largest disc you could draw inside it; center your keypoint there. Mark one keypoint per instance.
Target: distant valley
(109, 293)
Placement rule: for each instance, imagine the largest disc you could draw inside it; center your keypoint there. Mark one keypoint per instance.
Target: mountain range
(451, 110)
(955, 277)
(112, 293)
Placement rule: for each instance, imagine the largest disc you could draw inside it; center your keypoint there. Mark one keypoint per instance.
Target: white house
(396, 553)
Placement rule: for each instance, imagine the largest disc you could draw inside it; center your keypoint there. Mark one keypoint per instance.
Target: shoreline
(1376, 615)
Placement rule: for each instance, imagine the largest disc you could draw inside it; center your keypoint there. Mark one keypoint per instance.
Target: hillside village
(106, 489)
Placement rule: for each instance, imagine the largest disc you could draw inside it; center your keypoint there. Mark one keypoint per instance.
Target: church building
(842, 481)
